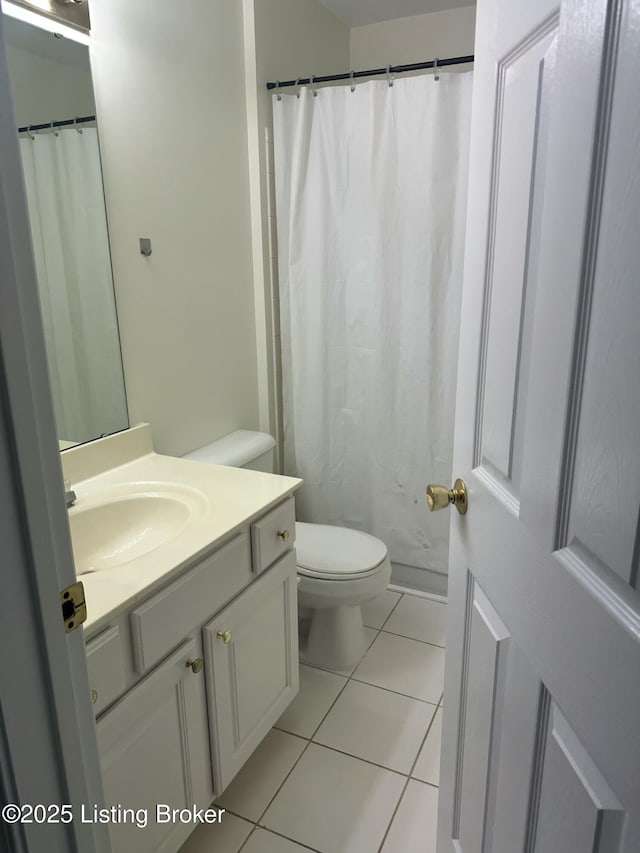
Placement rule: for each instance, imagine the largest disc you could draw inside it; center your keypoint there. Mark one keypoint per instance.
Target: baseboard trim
(424, 582)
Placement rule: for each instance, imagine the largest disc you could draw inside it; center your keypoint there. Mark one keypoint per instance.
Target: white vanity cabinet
(154, 748)
(188, 681)
(251, 653)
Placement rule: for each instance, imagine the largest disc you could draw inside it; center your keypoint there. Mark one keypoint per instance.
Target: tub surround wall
(170, 97)
(414, 39)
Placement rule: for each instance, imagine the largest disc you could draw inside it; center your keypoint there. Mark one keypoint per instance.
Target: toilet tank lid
(235, 449)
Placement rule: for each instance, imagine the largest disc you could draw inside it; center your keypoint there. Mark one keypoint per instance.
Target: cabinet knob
(284, 535)
(196, 665)
(225, 636)
(94, 696)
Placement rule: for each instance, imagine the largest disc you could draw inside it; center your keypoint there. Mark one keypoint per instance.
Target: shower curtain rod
(67, 122)
(373, 72)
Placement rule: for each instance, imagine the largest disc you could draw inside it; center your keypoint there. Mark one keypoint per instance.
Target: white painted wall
(413, 39)
(170, 98)
(284, 39)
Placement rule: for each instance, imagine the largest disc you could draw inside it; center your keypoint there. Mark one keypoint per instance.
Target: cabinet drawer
(163, 620)
(107, 678)
(273, 535)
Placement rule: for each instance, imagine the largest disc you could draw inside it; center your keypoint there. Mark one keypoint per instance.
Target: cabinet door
(154, 748)
(251, 658)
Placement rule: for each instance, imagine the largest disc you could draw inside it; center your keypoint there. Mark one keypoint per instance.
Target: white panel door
(541, 742)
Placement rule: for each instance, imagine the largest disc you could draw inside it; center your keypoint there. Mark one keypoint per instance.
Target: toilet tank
(241, 449)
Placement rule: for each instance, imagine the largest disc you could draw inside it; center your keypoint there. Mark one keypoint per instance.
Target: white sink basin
(128, 522)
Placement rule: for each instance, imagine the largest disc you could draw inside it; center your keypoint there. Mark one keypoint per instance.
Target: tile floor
(353, 764)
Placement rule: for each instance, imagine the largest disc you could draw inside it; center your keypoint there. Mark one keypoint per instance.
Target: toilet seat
(337, 553)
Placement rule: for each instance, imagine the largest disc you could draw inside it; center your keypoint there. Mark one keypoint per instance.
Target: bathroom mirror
(55, 116)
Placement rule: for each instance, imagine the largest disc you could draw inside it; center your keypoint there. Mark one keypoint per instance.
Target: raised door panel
(524, 80)
(523, 779)
(573, 807)
(484, 670)
(600, 489)
(154, 749)
(251, 651)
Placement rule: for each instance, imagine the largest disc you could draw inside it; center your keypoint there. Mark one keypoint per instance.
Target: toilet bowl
(338, 568)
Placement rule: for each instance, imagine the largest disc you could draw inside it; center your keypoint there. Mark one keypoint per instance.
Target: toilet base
(336, 637)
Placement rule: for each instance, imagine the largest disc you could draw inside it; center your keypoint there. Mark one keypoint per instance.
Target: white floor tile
(420, 619)
(224, 837)
(369, 637)
(406, 666)
(428, 764)
(377, 725)
(254, 786)
(263, 841)
(375, 612)
(318, 690)
(335, 803)
(414, 827)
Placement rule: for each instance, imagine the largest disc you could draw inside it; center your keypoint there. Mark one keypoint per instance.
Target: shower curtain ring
(31, 136)
(299, 88)
(75, 124)
(352, 78)
(314, 89)
(278, 95)
(436, 73)
(389, 76)
(53, 130)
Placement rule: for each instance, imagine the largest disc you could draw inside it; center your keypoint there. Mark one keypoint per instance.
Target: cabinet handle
(284, 535)
(225, 636)
(94, 696)
(196, 665)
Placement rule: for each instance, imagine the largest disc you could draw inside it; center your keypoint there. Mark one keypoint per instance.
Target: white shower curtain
(69, 232)
(371, 197)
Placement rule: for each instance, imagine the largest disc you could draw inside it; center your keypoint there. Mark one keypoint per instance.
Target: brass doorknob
(225, 636)
(196, 665)
(284, 535)
(438, 497)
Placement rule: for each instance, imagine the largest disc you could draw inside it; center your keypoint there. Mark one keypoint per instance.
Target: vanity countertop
(228, 500)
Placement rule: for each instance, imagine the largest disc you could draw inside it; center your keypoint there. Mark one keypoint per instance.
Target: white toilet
(338, 568)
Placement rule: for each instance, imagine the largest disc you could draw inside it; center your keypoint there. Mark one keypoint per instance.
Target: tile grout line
(295, 764)
(360, 758)
(395, 633)
(258, 823)
(280, 786)
(415, 639)
(371, 684)
(396, 692)
(412, 768)
(390, 614)
(409, 779)
(424, 740)
(280, 835)
(393, 816)
(309, 742)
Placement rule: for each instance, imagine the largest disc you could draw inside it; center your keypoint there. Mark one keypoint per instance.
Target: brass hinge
(74, 608)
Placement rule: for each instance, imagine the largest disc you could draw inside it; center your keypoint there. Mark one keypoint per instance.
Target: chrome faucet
(69, 494)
